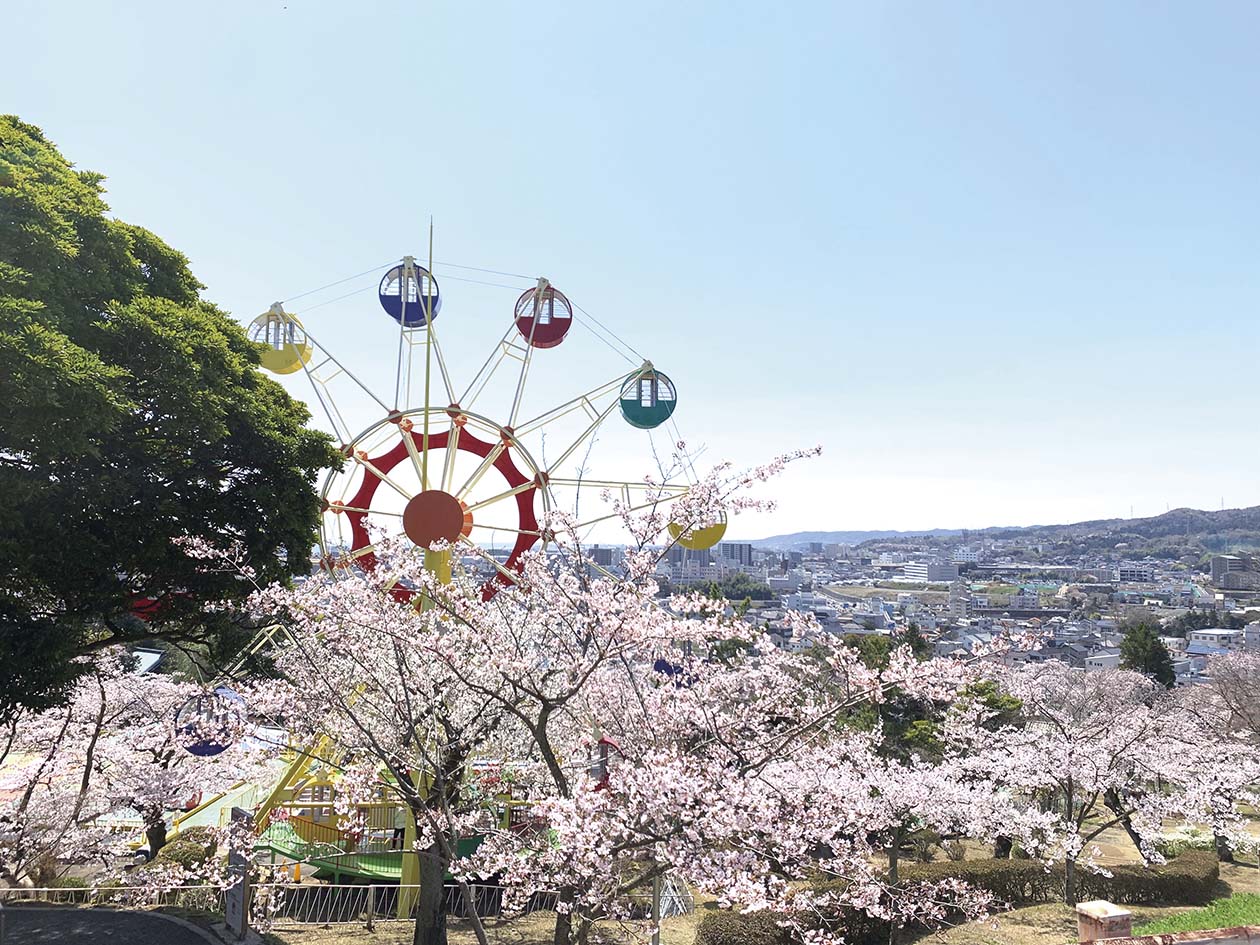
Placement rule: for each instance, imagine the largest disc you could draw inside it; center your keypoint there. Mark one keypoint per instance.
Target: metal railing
(199, 898)
(299, 904)
(310, 904)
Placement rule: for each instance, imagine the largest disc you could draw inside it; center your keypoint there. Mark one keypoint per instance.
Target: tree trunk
(1116, 806)
(894, 854)
(431, 905)
(1002, 848)
(1069, 881)
(564, 920)
(1223, 850)
(155, 833)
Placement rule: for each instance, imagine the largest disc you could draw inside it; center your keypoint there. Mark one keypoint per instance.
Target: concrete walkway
(37, 925)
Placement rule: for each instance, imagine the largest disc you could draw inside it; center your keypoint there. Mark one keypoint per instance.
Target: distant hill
(1188, 529)
(797, 540)
(1177, 531)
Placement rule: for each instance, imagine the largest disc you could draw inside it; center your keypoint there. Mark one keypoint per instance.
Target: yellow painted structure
(287, 347)
(697, 539)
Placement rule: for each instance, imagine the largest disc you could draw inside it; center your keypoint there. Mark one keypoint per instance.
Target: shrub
(724, 927)
(955, 850)
(761, 928)
(1178, 841)
(203, 836)
(1190, 879)
(1018, 882)
(922, 843)
(187, 853)
(69, 882)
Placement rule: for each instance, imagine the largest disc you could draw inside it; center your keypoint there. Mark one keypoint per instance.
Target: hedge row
(1189, 879)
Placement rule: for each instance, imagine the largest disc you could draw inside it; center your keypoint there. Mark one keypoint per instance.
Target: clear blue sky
(1000, 259)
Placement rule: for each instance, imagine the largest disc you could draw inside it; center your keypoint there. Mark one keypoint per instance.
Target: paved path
(25, 925)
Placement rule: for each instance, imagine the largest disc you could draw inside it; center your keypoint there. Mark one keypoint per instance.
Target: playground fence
(299, 904)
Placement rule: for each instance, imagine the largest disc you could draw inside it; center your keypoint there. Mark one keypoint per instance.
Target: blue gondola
(210, 723)
(421, 295)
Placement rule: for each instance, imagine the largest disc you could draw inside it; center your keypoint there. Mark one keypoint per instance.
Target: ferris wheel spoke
(587, 402)
(383, 477)
(417, 461)
(320, 379)
(351, 508)
(504, 349)
(634, 496)
(495, 452)
(520, 385)
(583, 437)
(651, 503)
(486, 556)
(441, 362)
(503, 528)
(671, 490)
(507, 494)
(452, 451)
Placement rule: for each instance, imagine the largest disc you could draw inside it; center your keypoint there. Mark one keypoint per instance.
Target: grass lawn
(1241, 909)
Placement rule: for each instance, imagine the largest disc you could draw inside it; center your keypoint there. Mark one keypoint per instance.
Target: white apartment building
(931, 571)
(1216, 636)
(1103, 659)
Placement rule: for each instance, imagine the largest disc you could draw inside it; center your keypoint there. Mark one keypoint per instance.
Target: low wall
(1239, 935)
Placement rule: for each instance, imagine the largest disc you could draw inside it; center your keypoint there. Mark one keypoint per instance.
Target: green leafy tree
(739, 586)
(1142, 650)
(132, 415)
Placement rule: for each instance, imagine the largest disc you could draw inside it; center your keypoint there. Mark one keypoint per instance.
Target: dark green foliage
(738, 586)
(913, 638)
(1187, 880)
(1004, 707)
(186, 853)
(1190, 879)
(204, 837)
(1142, 650)
(1017, 882)
(723, 927)
(874, 649)
(1203, 620)
(131, 413)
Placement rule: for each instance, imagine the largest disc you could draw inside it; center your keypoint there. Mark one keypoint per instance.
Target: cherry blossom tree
(1225, 750)
(1093, 751)
(650, 736)
(113, 749)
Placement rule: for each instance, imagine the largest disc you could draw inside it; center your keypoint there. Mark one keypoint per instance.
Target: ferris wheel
(433, 466)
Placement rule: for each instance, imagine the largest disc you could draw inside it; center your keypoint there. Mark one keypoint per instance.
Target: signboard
(236, 911)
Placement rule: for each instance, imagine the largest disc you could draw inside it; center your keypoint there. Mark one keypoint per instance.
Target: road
(25, 925)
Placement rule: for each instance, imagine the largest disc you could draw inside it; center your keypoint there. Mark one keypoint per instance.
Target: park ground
(1046, 924)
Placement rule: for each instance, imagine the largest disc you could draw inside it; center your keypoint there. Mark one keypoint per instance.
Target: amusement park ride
(435, 468)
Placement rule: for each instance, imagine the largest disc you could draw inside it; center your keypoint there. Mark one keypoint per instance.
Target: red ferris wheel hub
(433, 516)
(433, 513)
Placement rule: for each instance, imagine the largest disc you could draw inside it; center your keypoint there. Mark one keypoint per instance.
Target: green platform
(331, 862)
